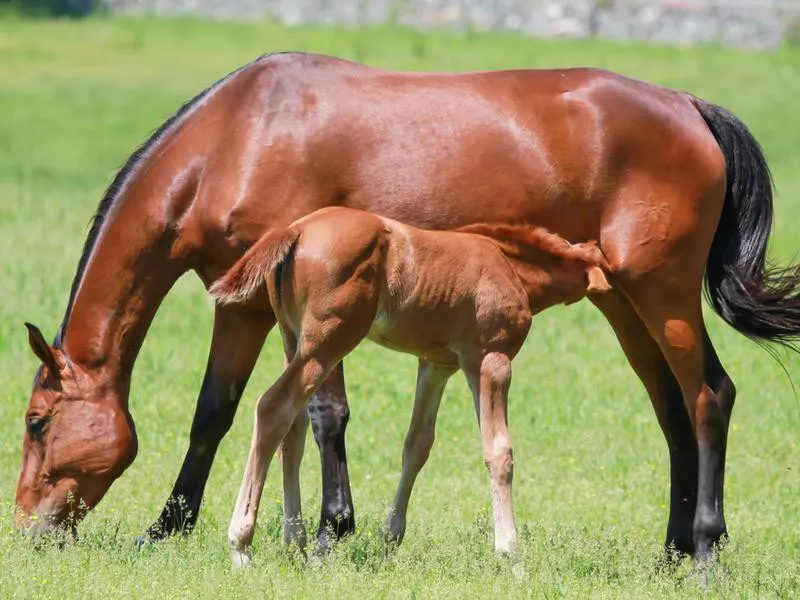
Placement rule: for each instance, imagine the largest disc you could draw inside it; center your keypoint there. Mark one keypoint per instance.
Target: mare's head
(79, 438)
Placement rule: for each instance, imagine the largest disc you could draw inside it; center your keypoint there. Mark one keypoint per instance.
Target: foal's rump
(245, 277)
(330, 253)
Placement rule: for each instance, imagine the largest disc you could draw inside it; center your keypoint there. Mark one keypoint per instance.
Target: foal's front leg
(431, 381)
(490, 390)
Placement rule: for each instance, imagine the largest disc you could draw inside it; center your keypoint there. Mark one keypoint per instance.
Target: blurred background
(746, 23)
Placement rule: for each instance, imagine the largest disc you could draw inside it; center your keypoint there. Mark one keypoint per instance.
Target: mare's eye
(36, 425)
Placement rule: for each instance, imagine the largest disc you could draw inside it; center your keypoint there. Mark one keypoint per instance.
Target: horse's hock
(760, 24)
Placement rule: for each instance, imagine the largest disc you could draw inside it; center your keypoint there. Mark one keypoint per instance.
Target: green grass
(591, 481)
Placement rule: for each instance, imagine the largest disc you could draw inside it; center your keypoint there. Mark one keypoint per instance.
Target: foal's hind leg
(292, 448)
(489, 383)
(275, 413)
(334, 322)
(431, 381)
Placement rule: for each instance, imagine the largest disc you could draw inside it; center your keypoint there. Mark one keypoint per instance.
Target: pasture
(591, 470)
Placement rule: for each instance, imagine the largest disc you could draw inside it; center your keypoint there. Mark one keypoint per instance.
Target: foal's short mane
(518, 240)
(121, 179)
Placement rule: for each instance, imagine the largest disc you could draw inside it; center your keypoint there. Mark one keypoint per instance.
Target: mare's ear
(51, 357)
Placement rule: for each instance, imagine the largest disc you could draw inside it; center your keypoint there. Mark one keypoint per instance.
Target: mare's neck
(139, 249)
(132, 264)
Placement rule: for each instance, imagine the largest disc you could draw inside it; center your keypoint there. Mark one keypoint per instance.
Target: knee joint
(212, 424)
(496, 367)
(500, 461)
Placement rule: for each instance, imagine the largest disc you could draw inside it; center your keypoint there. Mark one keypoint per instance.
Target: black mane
(118, 184)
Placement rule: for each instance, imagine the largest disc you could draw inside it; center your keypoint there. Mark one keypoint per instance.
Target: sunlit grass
(591, 483)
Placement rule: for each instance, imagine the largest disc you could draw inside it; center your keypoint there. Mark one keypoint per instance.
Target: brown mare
(672, 188)
(454, 300)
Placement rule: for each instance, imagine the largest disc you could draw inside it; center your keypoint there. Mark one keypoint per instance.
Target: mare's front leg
(237, 339)
(329, 415)
(431, 381)
(489, 383)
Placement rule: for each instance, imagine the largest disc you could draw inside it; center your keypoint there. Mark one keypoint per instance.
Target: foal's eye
(36, 425)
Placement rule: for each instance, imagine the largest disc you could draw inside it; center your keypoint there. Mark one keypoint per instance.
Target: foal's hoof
(508, 548)
(294, 536)
(393, 532)
(240, 559)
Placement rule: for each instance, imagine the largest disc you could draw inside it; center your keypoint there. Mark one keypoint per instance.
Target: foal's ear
(51, 357)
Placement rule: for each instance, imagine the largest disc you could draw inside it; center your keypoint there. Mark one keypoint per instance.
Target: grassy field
(591, 481)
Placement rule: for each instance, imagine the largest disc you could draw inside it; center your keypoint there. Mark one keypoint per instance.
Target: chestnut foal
(453, 299)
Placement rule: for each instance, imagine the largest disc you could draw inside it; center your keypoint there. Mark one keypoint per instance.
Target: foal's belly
(428, 335)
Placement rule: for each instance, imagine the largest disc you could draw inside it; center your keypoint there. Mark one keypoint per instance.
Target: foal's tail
(245, 277)
(760, 300)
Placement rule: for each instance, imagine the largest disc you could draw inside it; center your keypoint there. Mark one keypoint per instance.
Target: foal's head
(79, 437)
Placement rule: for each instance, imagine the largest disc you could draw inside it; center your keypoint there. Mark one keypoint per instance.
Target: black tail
(760, 300)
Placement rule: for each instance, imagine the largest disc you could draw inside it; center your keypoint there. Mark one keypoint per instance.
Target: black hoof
(156, 533)
(333, 529)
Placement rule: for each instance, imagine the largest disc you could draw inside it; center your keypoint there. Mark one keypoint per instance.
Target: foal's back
(436, 294)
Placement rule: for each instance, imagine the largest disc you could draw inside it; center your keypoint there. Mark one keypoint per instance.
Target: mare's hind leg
(489, 382)
(431, 381)
(647, 360)
(669, 304)
(725, 394)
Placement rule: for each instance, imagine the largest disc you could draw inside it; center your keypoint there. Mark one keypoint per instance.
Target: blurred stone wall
(759, 24)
